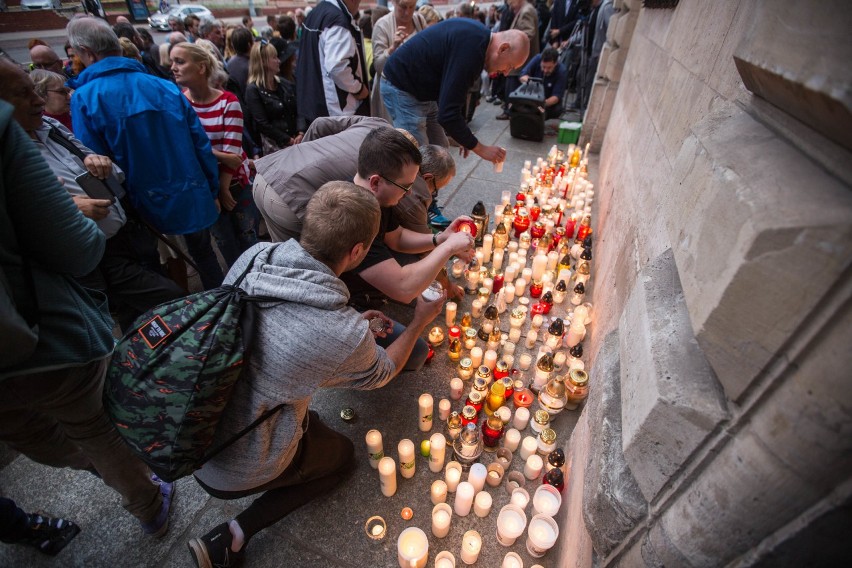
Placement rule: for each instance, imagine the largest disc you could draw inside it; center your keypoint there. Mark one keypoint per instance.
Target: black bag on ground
(526, 111)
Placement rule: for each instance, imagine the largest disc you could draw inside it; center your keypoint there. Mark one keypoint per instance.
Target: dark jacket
(273, 112)
(565, 22)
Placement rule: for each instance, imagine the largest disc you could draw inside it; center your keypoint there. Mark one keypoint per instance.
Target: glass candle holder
(468, 446)
(576, 388)
(465, 369)
(454, 425)
(492, 431)
(475, 400)
(376, 528)
(468, 415)
(469, 338)
(540, 421)
(496, 397)
(546, 441)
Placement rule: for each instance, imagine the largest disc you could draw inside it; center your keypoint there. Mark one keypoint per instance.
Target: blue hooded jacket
(151, 131)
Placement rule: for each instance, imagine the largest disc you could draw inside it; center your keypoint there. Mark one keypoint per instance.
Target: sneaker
(47, 534)
(439, 222)
(213, 550)
(158, 526)
(497, 101)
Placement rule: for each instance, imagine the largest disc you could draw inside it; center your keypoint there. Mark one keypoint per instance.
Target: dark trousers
(57, 418)
(14, 524)
(322, 461)
(200, 248)
(129, 274)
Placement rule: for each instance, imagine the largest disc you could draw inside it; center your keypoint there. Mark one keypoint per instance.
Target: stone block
(670, 398)
(605, 53)
(621, 28)
(612, 502)
(743, 495)
(698, 31)
(615, 64)
(760, 205)
(786, 63)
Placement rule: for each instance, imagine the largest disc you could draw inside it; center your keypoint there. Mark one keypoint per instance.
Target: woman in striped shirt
(222, 119)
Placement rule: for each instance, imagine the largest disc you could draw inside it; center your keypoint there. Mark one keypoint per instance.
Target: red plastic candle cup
(467, 226)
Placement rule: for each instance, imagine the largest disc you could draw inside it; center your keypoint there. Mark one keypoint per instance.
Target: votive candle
(476, 476)
(490, 359)
(437, 452)
(387, 476)
(438, 491)
(464, 499)
(450, 309)
(529, 446)
(476, 357)
(425, 406)
(456, 388)
(441, 517)
(374, 447)
(444, 408)
(533, 467)
(482, 504)
(406, 458)
(471, 545)
(412, 548)
(512, 438)
(521, 418)
(452, 475)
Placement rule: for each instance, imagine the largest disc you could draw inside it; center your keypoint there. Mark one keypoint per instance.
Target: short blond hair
(339, 216)
(199, 55)
(261, 52)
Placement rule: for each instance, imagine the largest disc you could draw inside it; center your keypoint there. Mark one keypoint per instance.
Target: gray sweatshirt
(310, 340)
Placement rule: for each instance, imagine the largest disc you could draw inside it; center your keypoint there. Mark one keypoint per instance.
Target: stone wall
(719, 425)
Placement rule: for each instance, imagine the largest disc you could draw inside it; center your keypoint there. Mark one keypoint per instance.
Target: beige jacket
(383, 33)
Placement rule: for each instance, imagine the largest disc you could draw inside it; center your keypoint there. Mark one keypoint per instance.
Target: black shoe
(213, 550)
(503, 116)
(489, 99)
(49, 535)
(497, 101)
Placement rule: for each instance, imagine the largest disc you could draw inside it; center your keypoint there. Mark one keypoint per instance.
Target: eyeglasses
(404, 188)
(64, 92)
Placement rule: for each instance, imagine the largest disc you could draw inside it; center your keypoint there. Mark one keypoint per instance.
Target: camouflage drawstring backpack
(172, 375)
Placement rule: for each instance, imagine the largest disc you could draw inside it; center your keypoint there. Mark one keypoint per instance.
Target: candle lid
(548, 436)
(474, 397)
(578, 377)
(556, 387)
(480, 383)
(518, 313)
(466, 363)
(347, 414)
(470, 333)
(541, 417)
(468, 412)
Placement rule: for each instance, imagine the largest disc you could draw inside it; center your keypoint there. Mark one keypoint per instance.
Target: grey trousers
(281, 222)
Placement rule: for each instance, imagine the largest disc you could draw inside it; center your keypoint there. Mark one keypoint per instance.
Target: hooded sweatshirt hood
(287, 272)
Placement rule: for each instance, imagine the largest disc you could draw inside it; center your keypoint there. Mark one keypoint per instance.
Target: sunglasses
(404, 188)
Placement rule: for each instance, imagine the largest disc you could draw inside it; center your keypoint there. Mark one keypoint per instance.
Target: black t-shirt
(361, 293)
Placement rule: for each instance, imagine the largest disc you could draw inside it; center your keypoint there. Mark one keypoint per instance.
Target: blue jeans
(418, 353)
(417, 117)
(235, 231)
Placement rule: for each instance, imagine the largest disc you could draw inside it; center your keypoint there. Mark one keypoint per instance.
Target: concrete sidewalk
(328, 532)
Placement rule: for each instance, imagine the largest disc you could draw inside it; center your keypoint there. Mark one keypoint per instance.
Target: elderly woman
(51, 87)
(124, 273)
(194, 68)
(389, 32)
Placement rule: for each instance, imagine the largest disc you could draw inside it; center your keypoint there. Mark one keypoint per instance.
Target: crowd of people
(130, 161)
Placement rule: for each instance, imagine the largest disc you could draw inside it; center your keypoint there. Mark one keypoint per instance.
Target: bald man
(425, 82)
(44, 57)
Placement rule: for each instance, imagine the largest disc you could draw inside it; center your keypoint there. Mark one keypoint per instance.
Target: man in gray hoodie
(292, 457)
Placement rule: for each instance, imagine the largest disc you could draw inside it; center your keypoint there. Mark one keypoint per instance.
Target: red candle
(540, 308)
(491, 434)
(570, 225)
(521, 222)
(535, 211)
(455, 332)
(466, 226)
(537, 230)
(498, 283)
(522, 398)
(535, 289)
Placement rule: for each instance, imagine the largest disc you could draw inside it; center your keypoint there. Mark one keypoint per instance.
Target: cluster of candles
(535, 265)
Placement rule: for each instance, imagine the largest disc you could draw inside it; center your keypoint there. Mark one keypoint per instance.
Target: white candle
(504, 414)
(528, 447)
(511, 523)
(450, 309)
(515, 334)
(476, 357)
(406, 458)
(510, 274)
(552, 260)
(437, 452)
(412, 548)
(438, 491)
(441, 516)
(521, 419)
(539, 264)
(476, 477)
(425, 407)
(490, 359)
(374, 447)
(576, 333)
(445, 559)
(509, 349)
(509, 293)
(533, 467)
(520, 498)
(542, 535)
(526, 274)
(512, 560)
(532, 336)
(512, 438)
(456, 388)
(487, 243)
(512, 246)
(546, 500)
(387, 476)
(520, 287)
(471, 545)
(559, 357)
(452, 474)
(480, 258)
(525, 361)
(458, 268)
(497, 261)
(537, 320)
(476, 308)
(464, 499)
(495, 474)
(444, 408)
(482, 504)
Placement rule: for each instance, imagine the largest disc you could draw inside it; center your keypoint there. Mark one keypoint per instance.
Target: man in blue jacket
(152, 132)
